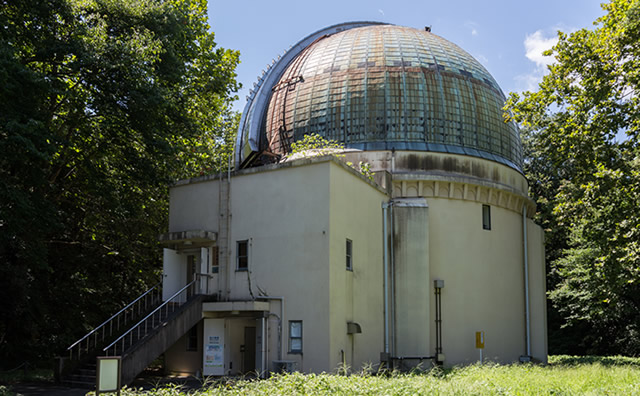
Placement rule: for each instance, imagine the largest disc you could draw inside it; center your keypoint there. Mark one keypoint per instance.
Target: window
(349, 255)
(214, 260)
(192, 339)
(295, 336)
(486, 217)
(243, 255)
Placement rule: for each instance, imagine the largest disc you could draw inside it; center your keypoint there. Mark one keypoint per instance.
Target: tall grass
(565, 375)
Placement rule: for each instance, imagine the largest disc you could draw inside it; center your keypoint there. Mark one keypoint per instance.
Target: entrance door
(249, 354)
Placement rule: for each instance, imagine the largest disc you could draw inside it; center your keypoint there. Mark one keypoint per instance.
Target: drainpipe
(526, 281)
(229, 263)
(393, 284)
(263, 348)
(385, 283)
(221, 275)
(281, 346)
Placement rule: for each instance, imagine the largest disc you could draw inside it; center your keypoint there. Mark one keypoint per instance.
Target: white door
(174, 274)
(213, 354)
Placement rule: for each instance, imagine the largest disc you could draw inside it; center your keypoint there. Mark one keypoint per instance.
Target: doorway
(249, 350)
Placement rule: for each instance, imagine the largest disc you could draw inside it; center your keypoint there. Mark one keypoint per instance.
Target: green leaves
(581, 136)
(105, 102)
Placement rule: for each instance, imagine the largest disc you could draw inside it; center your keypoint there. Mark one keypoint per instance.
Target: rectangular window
(486, 217)
(295, 336)
(243, 255)
(349, 255)
(214, 260)
(192, 339)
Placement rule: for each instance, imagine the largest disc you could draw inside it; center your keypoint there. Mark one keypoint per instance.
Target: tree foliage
(583, 161)
(104, 102)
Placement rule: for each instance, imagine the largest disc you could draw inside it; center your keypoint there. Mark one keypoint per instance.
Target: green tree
(104, 103)
(581, 137)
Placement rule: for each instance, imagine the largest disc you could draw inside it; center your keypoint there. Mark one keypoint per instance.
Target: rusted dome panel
(389, 87)
(250, 139)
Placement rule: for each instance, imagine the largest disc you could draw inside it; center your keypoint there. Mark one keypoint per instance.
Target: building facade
(308, 264)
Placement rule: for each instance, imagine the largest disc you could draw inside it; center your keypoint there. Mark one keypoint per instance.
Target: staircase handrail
(176, 294)
(115, 315)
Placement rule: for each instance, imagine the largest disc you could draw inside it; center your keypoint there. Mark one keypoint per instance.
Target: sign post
(480, 342)
(108, 374)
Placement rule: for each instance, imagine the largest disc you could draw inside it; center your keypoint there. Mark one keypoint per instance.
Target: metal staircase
(78, 368)
(139, 333)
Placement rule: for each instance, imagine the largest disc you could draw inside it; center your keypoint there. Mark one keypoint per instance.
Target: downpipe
(526, 284)
(385, 283)
(281, 323)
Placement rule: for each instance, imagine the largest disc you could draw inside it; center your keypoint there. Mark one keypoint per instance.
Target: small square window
(295, 336)
(486, 217)
(349, 255)
(243, 255)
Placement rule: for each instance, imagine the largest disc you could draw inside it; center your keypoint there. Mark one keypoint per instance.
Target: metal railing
(155, 318)
(135, 308)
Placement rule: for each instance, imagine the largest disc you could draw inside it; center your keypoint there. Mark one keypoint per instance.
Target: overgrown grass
(565, 375)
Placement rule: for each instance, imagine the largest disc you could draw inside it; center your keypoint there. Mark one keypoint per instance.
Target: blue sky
(507, 37)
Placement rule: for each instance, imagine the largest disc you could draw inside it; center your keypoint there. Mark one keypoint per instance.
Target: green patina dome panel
(385, 87)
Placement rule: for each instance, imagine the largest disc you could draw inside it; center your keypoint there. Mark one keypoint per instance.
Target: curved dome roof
(383, 87)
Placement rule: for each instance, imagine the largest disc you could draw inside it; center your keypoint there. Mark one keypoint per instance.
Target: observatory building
(308, 264)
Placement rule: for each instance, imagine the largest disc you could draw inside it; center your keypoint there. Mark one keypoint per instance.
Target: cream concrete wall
(356, 214)
(483, 274)
(194, 206)
(537, 291)
(292, 216)
(284, 214)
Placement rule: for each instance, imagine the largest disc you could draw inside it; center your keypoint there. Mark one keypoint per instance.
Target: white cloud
(381, 11)
(535, 44)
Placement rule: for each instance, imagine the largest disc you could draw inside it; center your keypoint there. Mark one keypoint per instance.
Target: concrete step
(86, 372)
(90, 385)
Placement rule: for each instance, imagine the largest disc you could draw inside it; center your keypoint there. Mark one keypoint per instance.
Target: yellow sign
(480, 339)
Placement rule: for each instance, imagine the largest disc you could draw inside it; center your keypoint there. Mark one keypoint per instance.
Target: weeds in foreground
(565, 375)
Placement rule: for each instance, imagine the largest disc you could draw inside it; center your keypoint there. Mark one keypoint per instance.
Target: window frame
(349, 254)
(242, 259)
(486, 217)
(297, 351)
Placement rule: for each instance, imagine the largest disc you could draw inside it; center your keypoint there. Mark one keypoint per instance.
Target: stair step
(85, 375)
(81, 384)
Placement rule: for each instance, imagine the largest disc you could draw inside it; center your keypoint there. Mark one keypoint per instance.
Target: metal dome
(381, 87)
